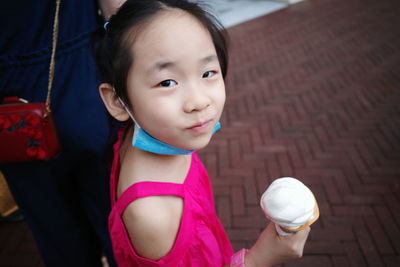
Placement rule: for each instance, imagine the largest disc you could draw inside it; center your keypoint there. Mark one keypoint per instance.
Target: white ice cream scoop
(290, 205)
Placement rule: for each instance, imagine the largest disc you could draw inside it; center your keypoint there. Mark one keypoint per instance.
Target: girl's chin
(194, 147)
(200, 145)
(193, 144)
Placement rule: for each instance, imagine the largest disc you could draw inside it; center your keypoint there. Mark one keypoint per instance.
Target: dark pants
(65, 204)
(65, 200)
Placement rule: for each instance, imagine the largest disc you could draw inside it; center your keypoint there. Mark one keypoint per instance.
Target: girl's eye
(209, 74)
(167, 83)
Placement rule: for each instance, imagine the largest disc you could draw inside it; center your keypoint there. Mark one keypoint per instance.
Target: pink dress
(201, 240)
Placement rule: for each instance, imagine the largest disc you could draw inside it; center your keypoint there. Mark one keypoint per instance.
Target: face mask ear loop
(137, 127)
(125, 107)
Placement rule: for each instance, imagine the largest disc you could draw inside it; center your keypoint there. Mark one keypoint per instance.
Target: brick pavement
(313, 92)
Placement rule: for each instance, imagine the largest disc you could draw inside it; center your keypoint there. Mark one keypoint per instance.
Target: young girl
(164, 63)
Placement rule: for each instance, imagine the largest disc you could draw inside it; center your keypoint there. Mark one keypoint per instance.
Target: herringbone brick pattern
(313, 92)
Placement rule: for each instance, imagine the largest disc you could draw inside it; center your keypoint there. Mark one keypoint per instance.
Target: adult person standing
(64, 200)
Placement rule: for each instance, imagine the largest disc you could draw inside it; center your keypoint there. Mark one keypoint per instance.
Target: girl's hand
(271, 248)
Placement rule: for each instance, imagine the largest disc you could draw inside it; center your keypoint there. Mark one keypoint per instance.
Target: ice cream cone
(290, 205)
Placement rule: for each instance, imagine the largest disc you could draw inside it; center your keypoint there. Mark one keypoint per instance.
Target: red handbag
(27, 130)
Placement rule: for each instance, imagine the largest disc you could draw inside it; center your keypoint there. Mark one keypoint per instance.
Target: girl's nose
(196, 100)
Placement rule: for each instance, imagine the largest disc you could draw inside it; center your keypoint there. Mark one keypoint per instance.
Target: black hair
(113, 56)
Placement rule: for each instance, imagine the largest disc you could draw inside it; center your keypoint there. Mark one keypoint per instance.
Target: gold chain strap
(53, 56)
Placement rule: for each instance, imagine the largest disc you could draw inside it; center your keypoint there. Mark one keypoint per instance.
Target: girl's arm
(152, 224)
(271, 248)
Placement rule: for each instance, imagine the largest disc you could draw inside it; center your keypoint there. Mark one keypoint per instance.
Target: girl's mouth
(201, 127)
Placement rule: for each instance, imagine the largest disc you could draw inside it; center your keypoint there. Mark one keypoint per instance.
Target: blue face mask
(142, 140)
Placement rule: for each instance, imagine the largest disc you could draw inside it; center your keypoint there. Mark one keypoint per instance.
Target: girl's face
(175, 84)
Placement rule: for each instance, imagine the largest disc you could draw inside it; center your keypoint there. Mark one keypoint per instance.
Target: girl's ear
(112, 103)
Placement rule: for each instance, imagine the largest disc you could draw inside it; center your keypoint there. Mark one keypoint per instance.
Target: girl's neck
(126, 148)
(141, 166)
